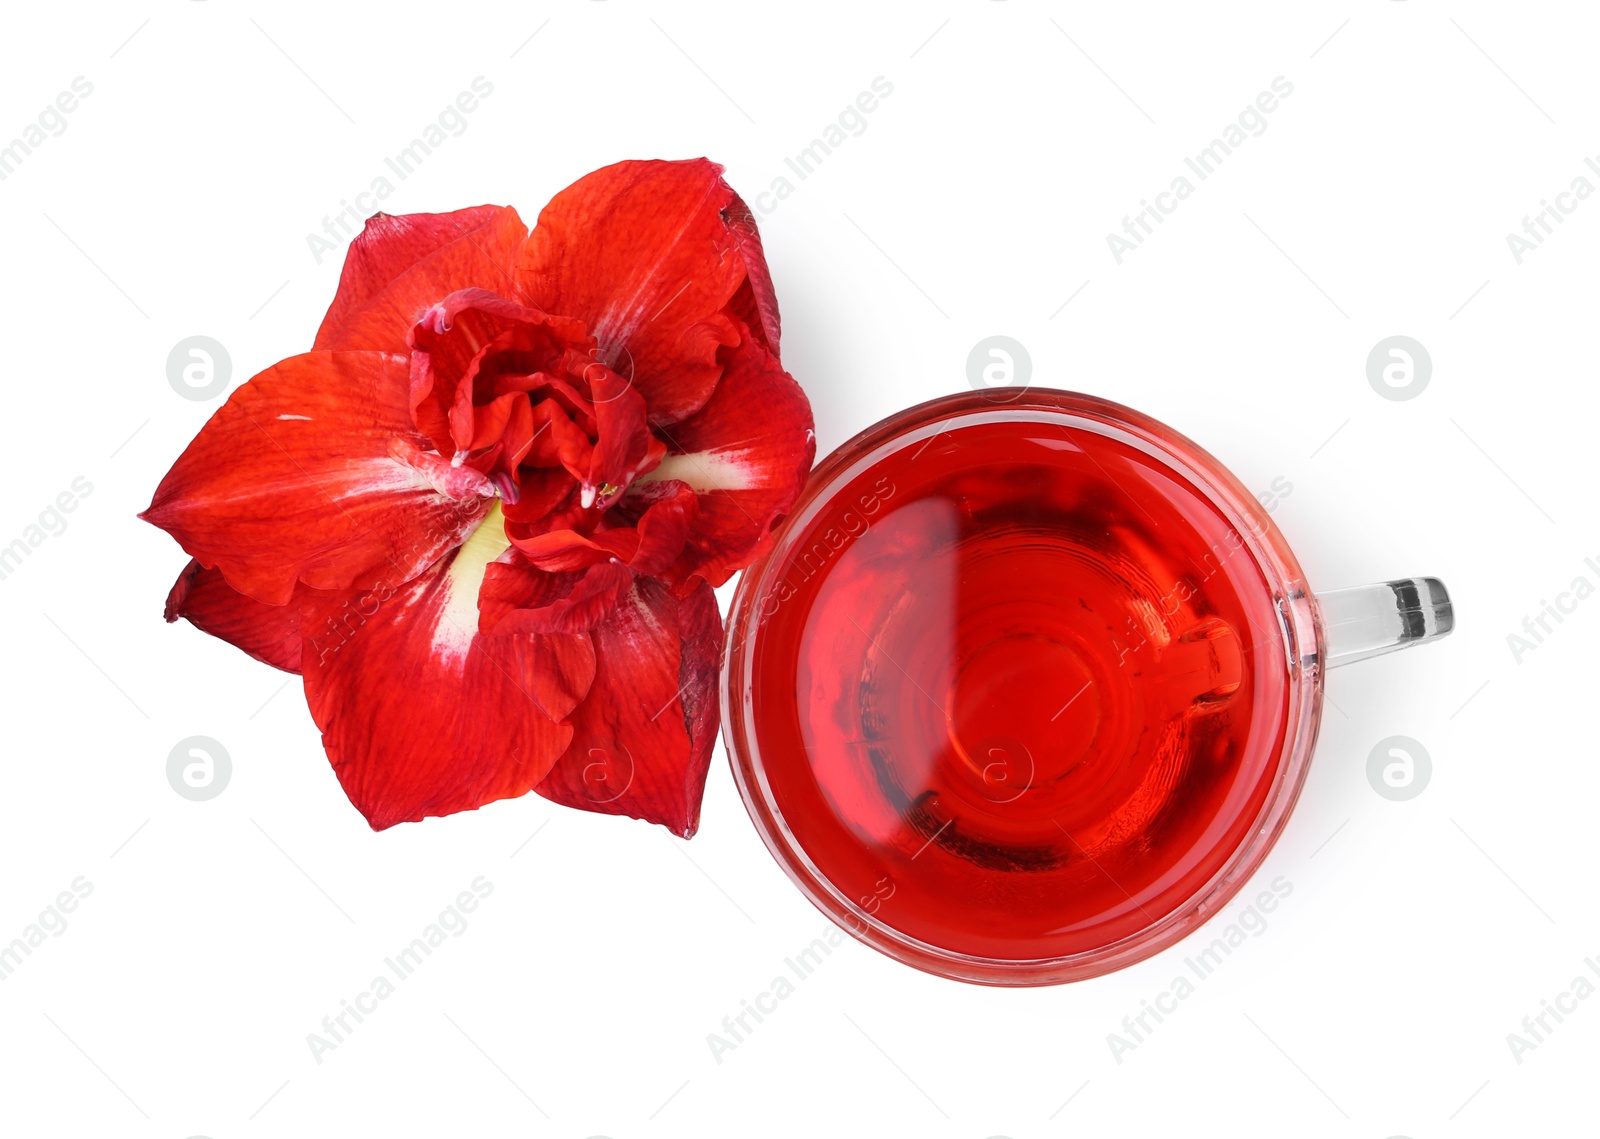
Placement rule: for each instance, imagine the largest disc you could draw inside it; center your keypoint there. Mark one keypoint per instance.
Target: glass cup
(1027, 684)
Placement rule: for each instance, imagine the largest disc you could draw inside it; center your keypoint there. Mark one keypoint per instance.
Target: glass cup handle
(1371, 620)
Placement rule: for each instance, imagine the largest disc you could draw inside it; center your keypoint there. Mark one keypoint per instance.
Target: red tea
(1018, 690)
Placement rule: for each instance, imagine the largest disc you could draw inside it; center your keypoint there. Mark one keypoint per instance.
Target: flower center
(458, 621)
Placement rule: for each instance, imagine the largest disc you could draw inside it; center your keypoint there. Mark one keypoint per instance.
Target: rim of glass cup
(1300, 634)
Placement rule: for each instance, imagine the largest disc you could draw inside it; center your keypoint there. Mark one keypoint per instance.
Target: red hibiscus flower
(483, 516)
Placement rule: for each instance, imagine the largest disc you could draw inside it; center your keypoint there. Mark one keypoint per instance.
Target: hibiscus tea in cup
(1025, 688)
(1028, 685)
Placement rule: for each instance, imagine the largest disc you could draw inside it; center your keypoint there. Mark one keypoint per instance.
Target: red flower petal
(568, 551)
(664, 530)
(422, 714)
(643, 736)
(524, 599)
(663, 513)
(755, 302)
(558, 441)
(270, 633)
(648, 535)
(640, 253)
(467, 340)
(746, 454)
(399, 265)
(311, 472)
(625, 448)
(544, 491)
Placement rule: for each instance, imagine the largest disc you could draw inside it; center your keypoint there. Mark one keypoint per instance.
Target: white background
(977, 201)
